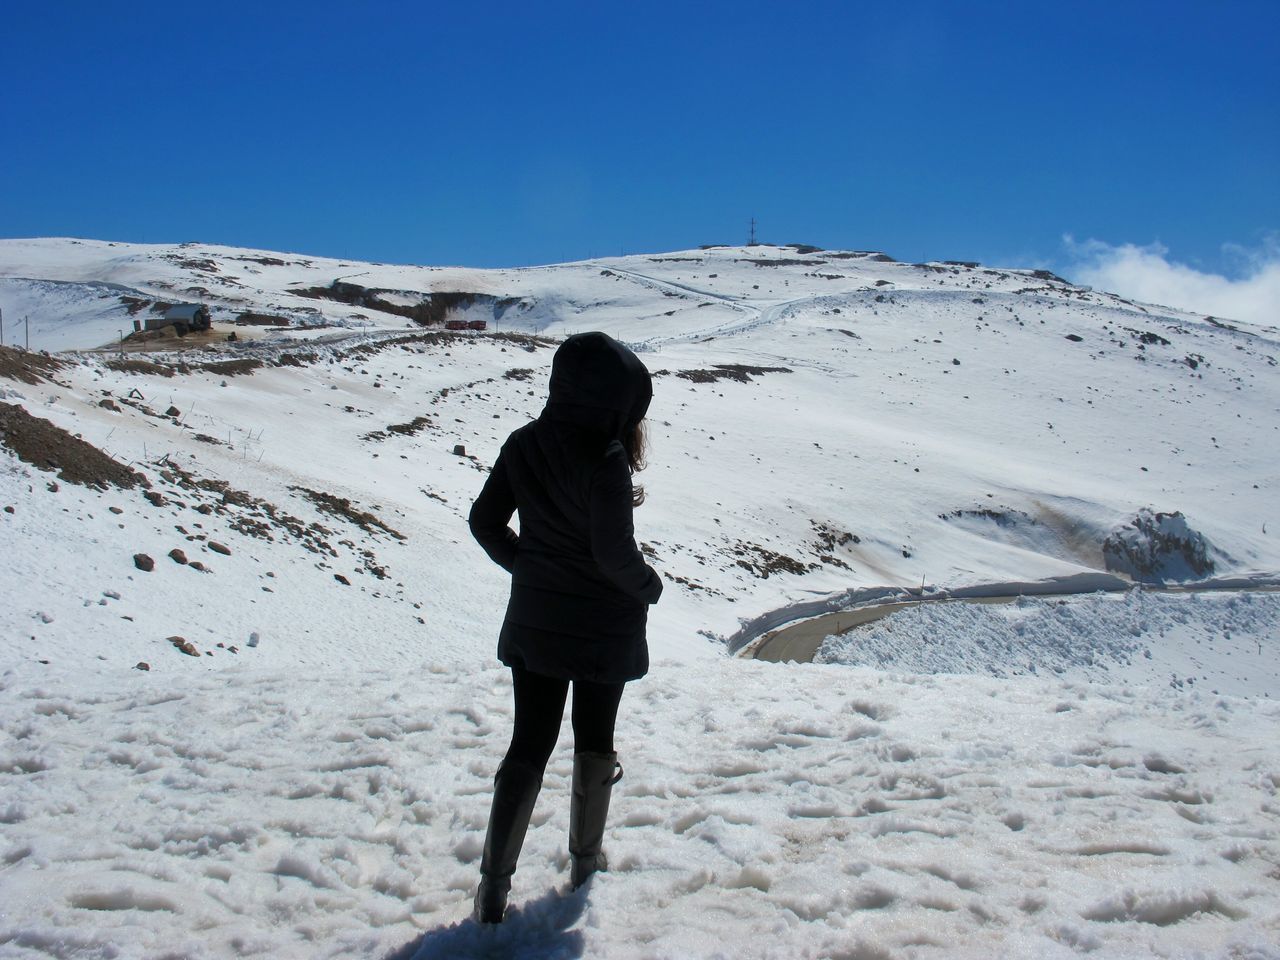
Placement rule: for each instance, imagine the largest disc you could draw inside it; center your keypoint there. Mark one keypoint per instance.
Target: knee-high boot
(515, 788)
(594, 775)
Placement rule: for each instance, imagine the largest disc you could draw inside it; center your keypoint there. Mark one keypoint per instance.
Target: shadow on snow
(538, 930)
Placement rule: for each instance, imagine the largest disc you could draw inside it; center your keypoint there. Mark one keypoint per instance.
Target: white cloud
(1147, 274)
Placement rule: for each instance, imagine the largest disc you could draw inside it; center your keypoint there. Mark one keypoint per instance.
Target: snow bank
(1223, 642)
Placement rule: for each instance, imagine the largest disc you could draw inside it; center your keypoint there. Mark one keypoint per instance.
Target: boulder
(1158, 547)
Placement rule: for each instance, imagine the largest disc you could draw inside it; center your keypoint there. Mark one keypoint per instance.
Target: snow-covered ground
(1221, 642)
(314, 780)
(767, 811)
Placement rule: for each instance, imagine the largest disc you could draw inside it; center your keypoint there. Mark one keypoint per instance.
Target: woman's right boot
(594, 775)
(515, 788)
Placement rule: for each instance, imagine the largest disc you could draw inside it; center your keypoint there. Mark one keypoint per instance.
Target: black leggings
(540, 708)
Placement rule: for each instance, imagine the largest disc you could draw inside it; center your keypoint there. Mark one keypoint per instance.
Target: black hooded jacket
(580, 589)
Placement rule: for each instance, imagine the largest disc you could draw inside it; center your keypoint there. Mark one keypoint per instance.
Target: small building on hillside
(183, 317)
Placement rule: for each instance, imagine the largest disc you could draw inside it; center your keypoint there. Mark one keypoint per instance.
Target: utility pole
(751, 241)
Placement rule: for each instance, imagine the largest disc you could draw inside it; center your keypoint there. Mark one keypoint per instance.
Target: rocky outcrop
(1158, 547)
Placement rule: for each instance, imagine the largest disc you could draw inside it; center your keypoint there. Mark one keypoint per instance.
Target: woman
(580, 593)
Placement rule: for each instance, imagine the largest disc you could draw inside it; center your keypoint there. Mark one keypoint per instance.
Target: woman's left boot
(515, 789)
(594, 775)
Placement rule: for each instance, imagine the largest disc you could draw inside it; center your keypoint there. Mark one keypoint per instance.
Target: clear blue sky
(515, 133)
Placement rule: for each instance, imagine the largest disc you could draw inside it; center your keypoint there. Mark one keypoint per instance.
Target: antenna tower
(751, 240)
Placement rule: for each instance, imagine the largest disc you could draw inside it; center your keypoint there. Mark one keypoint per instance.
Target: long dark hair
(637, 445)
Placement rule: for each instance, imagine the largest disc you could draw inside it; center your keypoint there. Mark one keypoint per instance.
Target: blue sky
(507, 134)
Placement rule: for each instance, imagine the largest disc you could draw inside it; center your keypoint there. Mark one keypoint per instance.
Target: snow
(766, 811)
(98, 308)
(1225, 643)
(315, 780)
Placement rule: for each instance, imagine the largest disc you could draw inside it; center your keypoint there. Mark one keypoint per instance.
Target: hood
(598, 382)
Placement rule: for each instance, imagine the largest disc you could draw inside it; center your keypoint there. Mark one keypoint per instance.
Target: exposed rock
(142, 665)
(341, 579)
(1156, 547)
(216, 547)
(197, 565)
(143, 562)
(177, 556)
(185, 645)
(155, 498)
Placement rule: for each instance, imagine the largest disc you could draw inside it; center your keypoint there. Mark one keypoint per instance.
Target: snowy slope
(915, 423)
(825, 424)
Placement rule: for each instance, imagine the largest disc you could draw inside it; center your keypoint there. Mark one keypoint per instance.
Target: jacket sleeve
(613, 544)
(490, 514)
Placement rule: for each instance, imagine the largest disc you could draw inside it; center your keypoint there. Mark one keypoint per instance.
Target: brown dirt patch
(246, 514)
(342, 507)
(230, 368)
(782, 262)
(414, 426)
(727, 371)
(140, 366)
(431, 310)
(27, 367)
(761, 561)
(48, 447)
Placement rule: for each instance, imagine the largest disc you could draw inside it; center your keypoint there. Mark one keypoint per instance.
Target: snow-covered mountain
(828, 428)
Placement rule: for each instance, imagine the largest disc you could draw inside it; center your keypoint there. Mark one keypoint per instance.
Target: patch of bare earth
(246, 514)
(27, 367)
(414, 426)
(342, 507)
(740, 372)
(140, 366)
(761, 561)
(49, 447)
